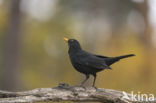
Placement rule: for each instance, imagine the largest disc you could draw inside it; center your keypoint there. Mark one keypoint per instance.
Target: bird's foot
(95, 88)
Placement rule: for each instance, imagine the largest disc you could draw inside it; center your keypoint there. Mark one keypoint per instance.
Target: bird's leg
(87, 76)
(94, 80)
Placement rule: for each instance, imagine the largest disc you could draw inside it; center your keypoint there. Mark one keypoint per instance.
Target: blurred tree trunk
(10, 76)
(146, 40)
(90, 25)
(146, 36)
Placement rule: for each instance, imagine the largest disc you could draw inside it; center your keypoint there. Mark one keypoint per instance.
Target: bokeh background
(33, 53)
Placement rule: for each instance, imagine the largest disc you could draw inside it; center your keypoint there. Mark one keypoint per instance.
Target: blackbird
(88, 63)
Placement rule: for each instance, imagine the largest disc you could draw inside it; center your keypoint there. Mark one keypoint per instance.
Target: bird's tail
(125, 56)
(112, 60)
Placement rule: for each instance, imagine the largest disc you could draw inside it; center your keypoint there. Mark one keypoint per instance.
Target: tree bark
(64, 92)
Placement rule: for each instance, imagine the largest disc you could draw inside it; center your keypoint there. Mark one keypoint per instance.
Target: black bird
(88, 63)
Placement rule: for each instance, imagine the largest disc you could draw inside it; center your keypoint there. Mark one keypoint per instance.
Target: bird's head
(73, 44)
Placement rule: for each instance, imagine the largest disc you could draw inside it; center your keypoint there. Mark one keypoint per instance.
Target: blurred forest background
(33, 53)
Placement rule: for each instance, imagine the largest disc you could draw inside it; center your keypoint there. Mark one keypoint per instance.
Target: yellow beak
(66, 39)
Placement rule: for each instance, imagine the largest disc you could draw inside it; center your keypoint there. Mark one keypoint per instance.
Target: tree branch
(63, 92)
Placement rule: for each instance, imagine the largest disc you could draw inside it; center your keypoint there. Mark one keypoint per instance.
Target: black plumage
(88, 63)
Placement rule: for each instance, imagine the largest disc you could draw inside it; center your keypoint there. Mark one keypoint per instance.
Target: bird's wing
(108, 60)
(101, 56)
(98, 64)
(90, 60)
(93, 61)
